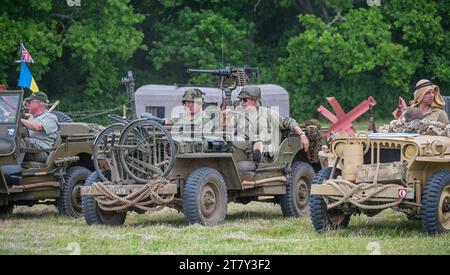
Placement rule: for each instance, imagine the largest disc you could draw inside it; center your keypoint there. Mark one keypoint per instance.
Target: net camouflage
(312, 131)
(423, 127)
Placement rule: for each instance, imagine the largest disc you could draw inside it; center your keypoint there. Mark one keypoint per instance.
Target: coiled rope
(349, 194)
(145, 198)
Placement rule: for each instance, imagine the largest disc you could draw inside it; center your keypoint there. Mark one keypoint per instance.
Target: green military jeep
(142, 165)
(54, 180)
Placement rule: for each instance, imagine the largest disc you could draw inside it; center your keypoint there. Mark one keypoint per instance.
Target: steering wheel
(250, 124)
(22, 131)
(239, 114)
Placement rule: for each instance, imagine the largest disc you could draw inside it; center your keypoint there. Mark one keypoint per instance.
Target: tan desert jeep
(409, 173)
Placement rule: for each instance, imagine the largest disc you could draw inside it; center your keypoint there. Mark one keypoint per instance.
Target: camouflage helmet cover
(40, 96)
(253, 92)
(192, 94)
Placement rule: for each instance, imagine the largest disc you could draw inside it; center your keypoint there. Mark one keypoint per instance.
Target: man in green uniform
(42, 126)
(192, 100)
(193, 120)
(261, 125)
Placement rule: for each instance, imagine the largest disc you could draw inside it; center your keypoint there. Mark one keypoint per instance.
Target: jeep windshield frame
(10, 106)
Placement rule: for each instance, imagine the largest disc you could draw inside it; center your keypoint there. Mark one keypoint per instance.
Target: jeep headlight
(410, 151)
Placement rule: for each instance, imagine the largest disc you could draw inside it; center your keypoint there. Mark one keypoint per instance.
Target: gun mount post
(129, 85)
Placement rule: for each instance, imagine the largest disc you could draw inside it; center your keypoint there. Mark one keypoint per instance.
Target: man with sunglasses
(42, 126)
(264, 123)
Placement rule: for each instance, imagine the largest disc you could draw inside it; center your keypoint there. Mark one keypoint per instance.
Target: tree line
(342, 48)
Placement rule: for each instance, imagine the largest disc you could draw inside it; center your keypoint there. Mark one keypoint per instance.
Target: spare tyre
(62, 117)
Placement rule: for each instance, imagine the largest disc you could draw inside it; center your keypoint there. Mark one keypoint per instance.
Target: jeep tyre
(6, 210)
(298, 187)
(93, 214)
(321, 218)
(205, 197)
(62, 117)
(435, 210)
(69, 202)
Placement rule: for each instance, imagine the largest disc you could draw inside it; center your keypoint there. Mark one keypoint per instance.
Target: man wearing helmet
(259, 124)
(193, 117)
(192, 101)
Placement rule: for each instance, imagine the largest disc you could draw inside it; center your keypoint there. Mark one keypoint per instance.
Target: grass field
(256, 228)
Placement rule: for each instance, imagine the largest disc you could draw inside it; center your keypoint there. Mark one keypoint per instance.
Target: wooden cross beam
(400, 108)
(342, 122)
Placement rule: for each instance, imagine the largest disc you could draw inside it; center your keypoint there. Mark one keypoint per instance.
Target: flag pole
(20, 49)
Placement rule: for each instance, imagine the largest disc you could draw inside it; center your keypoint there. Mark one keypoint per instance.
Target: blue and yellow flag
(26, 80)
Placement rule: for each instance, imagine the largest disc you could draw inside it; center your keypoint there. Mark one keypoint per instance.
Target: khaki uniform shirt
(185, 120)
(434, 114)
(46, 138)
(184, 125)
(263, 125)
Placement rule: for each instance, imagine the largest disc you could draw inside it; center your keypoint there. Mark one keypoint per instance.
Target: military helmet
(192, 94)
(253, 92)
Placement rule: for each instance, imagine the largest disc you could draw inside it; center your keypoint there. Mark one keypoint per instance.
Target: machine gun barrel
(228, 71)
(222, 72)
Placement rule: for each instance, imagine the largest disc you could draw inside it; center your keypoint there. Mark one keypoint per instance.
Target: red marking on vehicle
(402, 193)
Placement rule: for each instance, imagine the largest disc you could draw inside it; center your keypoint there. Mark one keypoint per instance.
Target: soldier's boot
(257, 149)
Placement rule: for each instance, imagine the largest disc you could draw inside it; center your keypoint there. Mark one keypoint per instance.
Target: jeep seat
(6, 146)
(74, 128)
(40, 158)
(246, 169)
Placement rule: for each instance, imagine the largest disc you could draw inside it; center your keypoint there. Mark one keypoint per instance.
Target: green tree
(315, 49)
(201, 39)
(350, 60)
(422, 26)
(41, 38)
(104, 42)
(78, 51)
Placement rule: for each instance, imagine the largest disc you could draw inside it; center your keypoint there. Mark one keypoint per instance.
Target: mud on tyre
(93, 214)
(298, 187)
(205, 197)
(322, 218)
